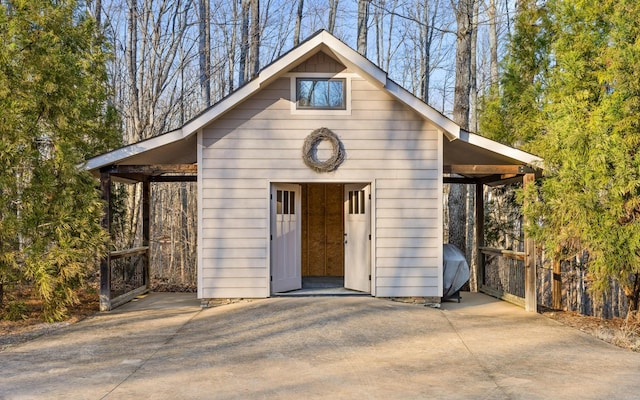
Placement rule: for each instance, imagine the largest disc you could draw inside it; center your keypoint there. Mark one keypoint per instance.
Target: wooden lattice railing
(503, 274)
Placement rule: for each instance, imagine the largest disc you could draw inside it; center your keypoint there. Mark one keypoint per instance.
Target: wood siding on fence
(260, 141)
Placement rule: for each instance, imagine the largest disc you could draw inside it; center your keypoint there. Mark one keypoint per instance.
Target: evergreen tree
(53, 114)
(512, 108)
(583, 119)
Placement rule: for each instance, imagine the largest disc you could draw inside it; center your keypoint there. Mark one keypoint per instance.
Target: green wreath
(310, 151)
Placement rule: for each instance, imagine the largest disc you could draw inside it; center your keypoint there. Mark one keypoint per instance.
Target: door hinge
(369, 237)
(271, 278)
(271, 237)
(271, 196)
(369, 277)
(369, 196)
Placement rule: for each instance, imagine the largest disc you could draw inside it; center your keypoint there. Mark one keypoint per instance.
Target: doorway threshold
(310, 292)
(322, 286)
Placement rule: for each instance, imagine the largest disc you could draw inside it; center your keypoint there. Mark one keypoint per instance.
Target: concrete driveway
(165, 347)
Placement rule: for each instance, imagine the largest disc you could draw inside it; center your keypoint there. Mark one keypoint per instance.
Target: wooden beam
(505, 181)
(491, 179)
(154, 169)
(530, 292)
(459, 180)
(128, 252)
(105, 263)
(511, 254)
(129, 178)
(173, 178)
(471, 169)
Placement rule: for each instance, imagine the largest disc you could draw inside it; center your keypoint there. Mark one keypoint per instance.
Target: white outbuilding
(319, 166)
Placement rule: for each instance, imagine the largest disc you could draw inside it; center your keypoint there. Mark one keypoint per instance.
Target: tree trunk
(205, 52)
(457, 219)
(132, 57)
(378, 22)
(363, 17)
(464, 39)
(389, 37)
(98, 14)
(231, 51)
(426, 34)
(255, 37)
(633, 295)
(296, 33)
(457, 193)
(473, 118)
(493, 42)
(244, 42)
(333, 8)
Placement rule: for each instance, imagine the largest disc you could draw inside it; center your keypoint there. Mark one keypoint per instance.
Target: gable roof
(179, 146)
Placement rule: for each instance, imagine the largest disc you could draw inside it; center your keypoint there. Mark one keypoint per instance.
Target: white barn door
(357, 234)
(286, 272)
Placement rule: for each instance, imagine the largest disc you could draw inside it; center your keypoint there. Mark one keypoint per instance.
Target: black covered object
(455, 270)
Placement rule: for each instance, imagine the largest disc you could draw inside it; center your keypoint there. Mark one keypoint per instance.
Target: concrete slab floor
(164, 346)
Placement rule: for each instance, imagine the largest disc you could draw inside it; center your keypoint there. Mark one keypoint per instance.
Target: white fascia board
(496, 147)
(131, 150)
(450, 128)
(350, 57)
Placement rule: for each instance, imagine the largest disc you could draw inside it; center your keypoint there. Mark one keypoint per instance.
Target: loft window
(320, 93)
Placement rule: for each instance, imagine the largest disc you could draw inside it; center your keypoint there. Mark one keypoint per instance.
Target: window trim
(320, 75)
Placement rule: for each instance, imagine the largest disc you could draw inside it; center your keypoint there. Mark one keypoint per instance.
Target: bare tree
(97, 13)
(333, 11)
(363, 20)
(493, 41)
(464, 35)
(378, 22)
(473, 71)
(244, 42)
(255, 37)
(132, 56)
(464, 39)
(205, 50)
(296, 33)
(427, 33)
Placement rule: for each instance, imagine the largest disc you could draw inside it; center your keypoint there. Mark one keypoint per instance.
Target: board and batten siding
(260, 141)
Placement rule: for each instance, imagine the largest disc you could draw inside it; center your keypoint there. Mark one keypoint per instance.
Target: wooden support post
(530, 292)
(105, 263)
(479, 235)
(556, 285)
(146, 212)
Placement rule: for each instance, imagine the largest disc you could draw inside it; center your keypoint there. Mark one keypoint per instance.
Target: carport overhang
(169, 157)
(472, 159)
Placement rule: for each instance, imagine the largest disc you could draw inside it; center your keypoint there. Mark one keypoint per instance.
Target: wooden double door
(322, 229)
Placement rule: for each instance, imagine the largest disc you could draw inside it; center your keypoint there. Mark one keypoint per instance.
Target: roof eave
(131, 150)
(497, 147)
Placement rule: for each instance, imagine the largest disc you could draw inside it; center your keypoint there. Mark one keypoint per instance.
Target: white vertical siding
(260, 141)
